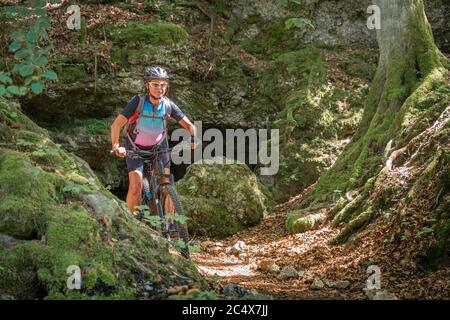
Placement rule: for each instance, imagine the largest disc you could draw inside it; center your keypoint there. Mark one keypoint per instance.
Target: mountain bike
(162, 197)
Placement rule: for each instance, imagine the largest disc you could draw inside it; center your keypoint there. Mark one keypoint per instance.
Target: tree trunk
(408, 57)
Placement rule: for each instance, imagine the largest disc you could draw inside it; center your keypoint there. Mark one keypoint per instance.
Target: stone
(104, 210)
(240, 245)
(384, 295)
(338, 284)
(268, 266)
(288, 272)
(232, 289)
(148, 288)
(193, 292)
(206, 244)
(239, 201)
(66, 226)
(317, 284)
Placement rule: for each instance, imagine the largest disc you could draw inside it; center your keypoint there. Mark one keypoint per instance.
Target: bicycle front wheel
(172, 205)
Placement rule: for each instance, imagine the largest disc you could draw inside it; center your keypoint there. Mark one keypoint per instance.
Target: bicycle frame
(153, 164)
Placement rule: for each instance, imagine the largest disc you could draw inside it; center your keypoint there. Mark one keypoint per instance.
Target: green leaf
(50, 74)
(40, 12)
(39, 4)
(10, 9)
(37, 87)
(23, 53)
(18, 35)
(28, 80)
(39, 154)
(24, 143)
(41, 61)
(4, 78)
(22, 91)
(32, 36)
(24, 12)
(2, 90)
(26, 70)
(15, 45)
(13, 89)
(43, 35)
(194, 249)
(298, 22)
(44, 22)
(36, 171)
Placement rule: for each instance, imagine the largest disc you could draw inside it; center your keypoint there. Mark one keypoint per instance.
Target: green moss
(299, 221)
(91, 126)
(125, 56)
(273, 39)
(361, 64)
(26, 195)
(114, 258)
(221, 199)
(69, 73)
(11, 115)
(149, 32)
(354, 225)
(18, 276)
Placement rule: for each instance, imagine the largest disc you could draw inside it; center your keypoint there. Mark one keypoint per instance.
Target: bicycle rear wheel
(172, 204)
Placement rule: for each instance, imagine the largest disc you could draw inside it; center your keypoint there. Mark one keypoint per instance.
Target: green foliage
(163, 9)
(75, 189)
(424, 231)
(141, 32)
(285, 2)
(298, 23)
(157, 221)
(30, 52)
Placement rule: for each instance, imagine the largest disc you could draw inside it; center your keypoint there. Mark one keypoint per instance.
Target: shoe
(139, 215)
(173, 231)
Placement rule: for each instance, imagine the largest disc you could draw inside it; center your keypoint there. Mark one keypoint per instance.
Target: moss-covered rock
(221, 199)
(55, 215)
(298, 221)
(24, 201)
(155, 33)
(316, 119)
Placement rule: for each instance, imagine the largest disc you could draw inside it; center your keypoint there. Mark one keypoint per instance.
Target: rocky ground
(278, 265)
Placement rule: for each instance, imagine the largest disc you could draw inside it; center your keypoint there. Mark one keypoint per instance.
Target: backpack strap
(167, 102)
(140, 104)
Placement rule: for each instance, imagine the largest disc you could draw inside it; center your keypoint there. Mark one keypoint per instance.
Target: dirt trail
(269, 241)
(311, 255)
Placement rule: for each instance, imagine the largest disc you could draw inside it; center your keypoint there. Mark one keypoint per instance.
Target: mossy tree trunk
(408, 55)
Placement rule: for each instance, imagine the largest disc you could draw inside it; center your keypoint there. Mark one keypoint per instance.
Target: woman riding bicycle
(146, 116)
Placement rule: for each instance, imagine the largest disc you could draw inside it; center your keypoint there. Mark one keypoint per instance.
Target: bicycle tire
(182, 228)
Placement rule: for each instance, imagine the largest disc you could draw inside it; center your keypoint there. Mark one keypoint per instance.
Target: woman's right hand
(119, 151)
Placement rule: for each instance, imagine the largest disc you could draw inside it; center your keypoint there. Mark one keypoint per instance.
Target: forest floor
(326, 271)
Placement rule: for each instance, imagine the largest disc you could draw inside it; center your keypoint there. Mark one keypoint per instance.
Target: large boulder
(221, 199)
(56, 218)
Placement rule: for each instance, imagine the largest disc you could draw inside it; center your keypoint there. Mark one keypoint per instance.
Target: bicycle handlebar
(145, 154)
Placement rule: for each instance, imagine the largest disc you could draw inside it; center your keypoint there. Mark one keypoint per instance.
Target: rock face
(338, 22)
(54, 214)
(221, 199)
(266, 76)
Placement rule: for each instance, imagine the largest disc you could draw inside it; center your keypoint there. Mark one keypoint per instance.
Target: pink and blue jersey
(150, 127)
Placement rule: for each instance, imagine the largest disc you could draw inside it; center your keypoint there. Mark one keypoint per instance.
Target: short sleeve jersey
(151, 125)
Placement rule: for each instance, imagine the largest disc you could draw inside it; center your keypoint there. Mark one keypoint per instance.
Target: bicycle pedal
(139, 216)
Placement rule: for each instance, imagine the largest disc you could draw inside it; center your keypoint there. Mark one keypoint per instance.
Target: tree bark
(408, 55)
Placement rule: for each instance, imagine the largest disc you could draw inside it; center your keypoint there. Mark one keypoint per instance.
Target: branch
(53, 6)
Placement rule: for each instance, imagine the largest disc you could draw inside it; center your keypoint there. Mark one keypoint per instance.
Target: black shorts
(138, 164)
